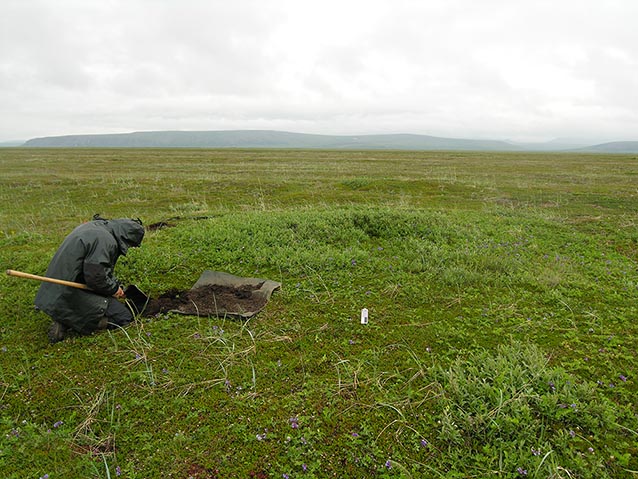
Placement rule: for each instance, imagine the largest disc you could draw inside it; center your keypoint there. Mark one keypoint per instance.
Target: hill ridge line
(293, 140)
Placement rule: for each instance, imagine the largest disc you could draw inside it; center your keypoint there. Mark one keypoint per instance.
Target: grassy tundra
(503, 328)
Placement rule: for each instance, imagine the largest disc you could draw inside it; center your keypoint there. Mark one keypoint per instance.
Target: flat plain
(502, 294)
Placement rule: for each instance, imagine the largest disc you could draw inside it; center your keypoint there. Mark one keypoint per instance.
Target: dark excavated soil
(208, 300)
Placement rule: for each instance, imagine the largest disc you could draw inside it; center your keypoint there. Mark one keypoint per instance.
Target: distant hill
(266, 139)
(613, 147)
(283, 139)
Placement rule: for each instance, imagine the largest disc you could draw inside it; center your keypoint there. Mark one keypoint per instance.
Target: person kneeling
(88, 255)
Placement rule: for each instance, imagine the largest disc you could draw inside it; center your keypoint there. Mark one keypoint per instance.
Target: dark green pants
(117, 314)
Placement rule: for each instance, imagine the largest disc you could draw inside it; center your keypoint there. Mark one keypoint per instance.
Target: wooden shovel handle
(72, 284)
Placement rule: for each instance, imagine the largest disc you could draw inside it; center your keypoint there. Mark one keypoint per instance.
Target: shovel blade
(136, 299)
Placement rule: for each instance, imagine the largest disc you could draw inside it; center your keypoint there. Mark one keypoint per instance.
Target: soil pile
(208, 300)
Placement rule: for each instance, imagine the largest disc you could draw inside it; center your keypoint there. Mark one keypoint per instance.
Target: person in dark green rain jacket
(88, 255)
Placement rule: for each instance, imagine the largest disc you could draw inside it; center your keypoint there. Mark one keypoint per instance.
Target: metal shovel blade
(136, 299)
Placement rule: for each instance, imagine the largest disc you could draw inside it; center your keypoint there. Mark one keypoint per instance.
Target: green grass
(501, 287)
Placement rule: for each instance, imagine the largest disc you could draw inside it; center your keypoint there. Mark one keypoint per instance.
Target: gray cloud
(492, 69)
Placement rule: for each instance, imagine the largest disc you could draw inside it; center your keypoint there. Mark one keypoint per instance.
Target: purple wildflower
(424, 443)
(286, 476)
(118, 471)
(354, 434)
(293, 423)
(521, 471)
(304, 467)
(388, 464)
(623, 378)
(536, 452)
(57, 424)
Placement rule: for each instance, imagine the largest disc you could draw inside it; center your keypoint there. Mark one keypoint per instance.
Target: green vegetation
(502, 339)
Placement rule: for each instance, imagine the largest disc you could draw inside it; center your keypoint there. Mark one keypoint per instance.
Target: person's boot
(103, 323)
(57, 332)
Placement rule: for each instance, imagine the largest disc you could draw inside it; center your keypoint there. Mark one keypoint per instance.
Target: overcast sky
(497, 69)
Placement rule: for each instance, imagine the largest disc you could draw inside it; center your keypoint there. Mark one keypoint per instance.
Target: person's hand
(119, 294)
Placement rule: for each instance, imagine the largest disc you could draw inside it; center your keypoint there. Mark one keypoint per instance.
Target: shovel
(136, 300)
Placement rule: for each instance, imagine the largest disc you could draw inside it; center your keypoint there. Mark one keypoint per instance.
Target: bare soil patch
(208, 300)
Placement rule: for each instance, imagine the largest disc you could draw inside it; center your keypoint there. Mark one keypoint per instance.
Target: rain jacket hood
(127, 233)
